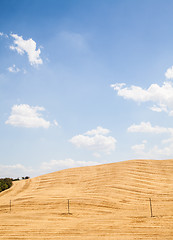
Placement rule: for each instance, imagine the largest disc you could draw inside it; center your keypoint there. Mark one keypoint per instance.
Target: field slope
(109, 201)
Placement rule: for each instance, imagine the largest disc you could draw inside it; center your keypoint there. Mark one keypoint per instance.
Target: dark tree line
(5, 183)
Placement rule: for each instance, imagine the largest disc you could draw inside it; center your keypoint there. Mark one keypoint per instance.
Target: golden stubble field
(106, 202)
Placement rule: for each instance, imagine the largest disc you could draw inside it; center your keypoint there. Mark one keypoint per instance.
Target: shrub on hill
(27, 177)
(5, 183)
(15, 179)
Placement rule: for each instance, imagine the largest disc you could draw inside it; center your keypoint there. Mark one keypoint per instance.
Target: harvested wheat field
(105, 202)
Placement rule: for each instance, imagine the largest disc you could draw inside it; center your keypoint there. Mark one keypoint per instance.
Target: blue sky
(84, 83)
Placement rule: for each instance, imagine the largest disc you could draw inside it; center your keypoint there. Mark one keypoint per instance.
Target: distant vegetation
(17, 179)
(5, 183)
(25, 177)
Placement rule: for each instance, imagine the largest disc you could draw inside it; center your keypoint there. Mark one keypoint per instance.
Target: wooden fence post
(68, 206)
(151, 208)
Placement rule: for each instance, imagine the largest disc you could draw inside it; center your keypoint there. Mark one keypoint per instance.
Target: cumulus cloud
(27, 46)
(98, 130)
(146, 127)
(27, 116)
(95, 140)
(14, 69)
(169, 73)
(161, 96)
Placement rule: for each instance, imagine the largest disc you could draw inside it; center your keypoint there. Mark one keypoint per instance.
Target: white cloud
(19, 170)
(14, 69)
(55, 165)
(146, 127)
(168, 140)
(27, 116)
(24, 71)
(161, 96)
(134, 92)
(139, 148)
(169, 73)
(14, 171)
(153, 153)
(97, 142)
(160, 108)
(27, 46)
(3, 35)
(55, 123)
(97, 155)
(76, 40)
(98, 130)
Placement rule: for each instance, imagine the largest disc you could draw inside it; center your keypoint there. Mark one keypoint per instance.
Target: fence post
(151, 208)
(68, 206)
(10, 205)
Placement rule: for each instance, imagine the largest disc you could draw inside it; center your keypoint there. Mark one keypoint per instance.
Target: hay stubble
(106, 202)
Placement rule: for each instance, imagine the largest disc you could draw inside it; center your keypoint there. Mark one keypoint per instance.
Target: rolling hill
(108, 201)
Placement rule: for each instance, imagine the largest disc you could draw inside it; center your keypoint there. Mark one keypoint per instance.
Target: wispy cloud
(139, 148)
(20, 170)
(27, 46)
(15, 170)
(55, 165)
(155, 152)
(146, 127)
(3, 35)
(75, 40)
(27, 116)
(160, 108)
(13, 69)
(55, 123)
